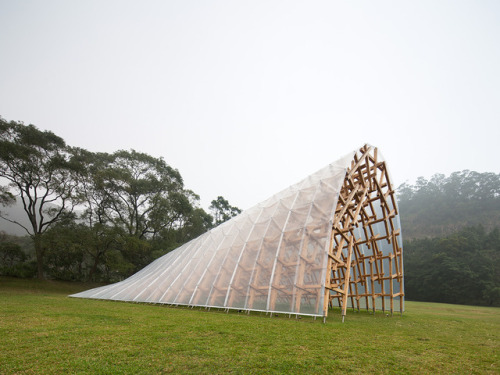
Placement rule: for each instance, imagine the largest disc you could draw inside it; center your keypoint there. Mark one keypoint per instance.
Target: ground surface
(42, 331)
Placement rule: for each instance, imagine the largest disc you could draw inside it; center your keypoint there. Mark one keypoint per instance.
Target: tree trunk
(37, 238)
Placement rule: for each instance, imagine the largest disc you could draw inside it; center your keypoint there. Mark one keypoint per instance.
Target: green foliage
(38, 169)
(222, 210)
(135, 206)
(443, 205)
(448, 254)
(64, 251)
(143, 194)
(37, 166)
(10, 254)
(460, 268)
(15, 259)
(136, 251)
(45, 332)
(197, 223)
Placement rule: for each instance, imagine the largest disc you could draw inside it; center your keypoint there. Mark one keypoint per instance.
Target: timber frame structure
(366, 201)
(333, 240)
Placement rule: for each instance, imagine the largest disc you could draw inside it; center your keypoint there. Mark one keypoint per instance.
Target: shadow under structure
(326, 243)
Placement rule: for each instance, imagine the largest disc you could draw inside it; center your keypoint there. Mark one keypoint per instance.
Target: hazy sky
(248, 97)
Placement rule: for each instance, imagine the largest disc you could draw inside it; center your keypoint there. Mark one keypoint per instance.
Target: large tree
(134, 198)
(141, 194)
(99, 233)
(39, 170)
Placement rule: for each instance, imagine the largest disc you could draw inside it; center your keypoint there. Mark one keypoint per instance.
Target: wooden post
(346, 279)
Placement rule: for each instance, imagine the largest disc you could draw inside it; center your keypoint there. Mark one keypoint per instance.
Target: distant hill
(451, 233)
(444, 205)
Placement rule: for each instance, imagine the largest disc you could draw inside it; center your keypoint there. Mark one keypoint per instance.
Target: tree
(135, 207)
(10, 254)
(196, 224)
(140, 200)
(222, 211)
(140, 193)
(75, 251)
(64, 249)
(443, 204)
(39, 170)
(89, 188)
(458, 268)
(15, 259)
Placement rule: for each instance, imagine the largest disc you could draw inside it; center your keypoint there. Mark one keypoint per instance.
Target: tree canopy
(222, 210)
(39, 170)
(462, 267)
(95, 216)
(451, 226)
(443, 205)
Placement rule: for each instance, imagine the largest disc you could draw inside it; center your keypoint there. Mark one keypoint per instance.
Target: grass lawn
(42, 331)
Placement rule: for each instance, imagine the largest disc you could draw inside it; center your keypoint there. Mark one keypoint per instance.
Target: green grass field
(42, 331)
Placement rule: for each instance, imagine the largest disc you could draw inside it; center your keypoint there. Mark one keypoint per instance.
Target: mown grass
(42, 331)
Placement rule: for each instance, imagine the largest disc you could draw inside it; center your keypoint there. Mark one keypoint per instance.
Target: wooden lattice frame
(352, 273)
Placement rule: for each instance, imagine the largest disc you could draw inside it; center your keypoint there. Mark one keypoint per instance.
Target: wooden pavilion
(333, 240)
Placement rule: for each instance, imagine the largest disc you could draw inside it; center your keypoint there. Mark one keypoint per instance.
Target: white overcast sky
(248, 97)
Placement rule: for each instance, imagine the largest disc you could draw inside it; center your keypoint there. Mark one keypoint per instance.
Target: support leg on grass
(347, 279)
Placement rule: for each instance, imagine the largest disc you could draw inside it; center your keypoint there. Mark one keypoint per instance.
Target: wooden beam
(346, 279)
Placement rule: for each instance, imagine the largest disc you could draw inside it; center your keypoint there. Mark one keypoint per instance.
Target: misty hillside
(444, 205)
(15, 212)
(429, 208)
(446, 223)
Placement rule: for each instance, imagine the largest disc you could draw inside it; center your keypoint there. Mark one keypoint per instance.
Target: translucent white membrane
(258, 260)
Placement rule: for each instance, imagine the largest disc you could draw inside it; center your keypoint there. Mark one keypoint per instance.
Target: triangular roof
(288, 253)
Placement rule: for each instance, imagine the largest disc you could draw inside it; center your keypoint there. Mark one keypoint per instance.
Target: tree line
(92, 216)
(444, 204)
(462, 268)
(450, 227)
